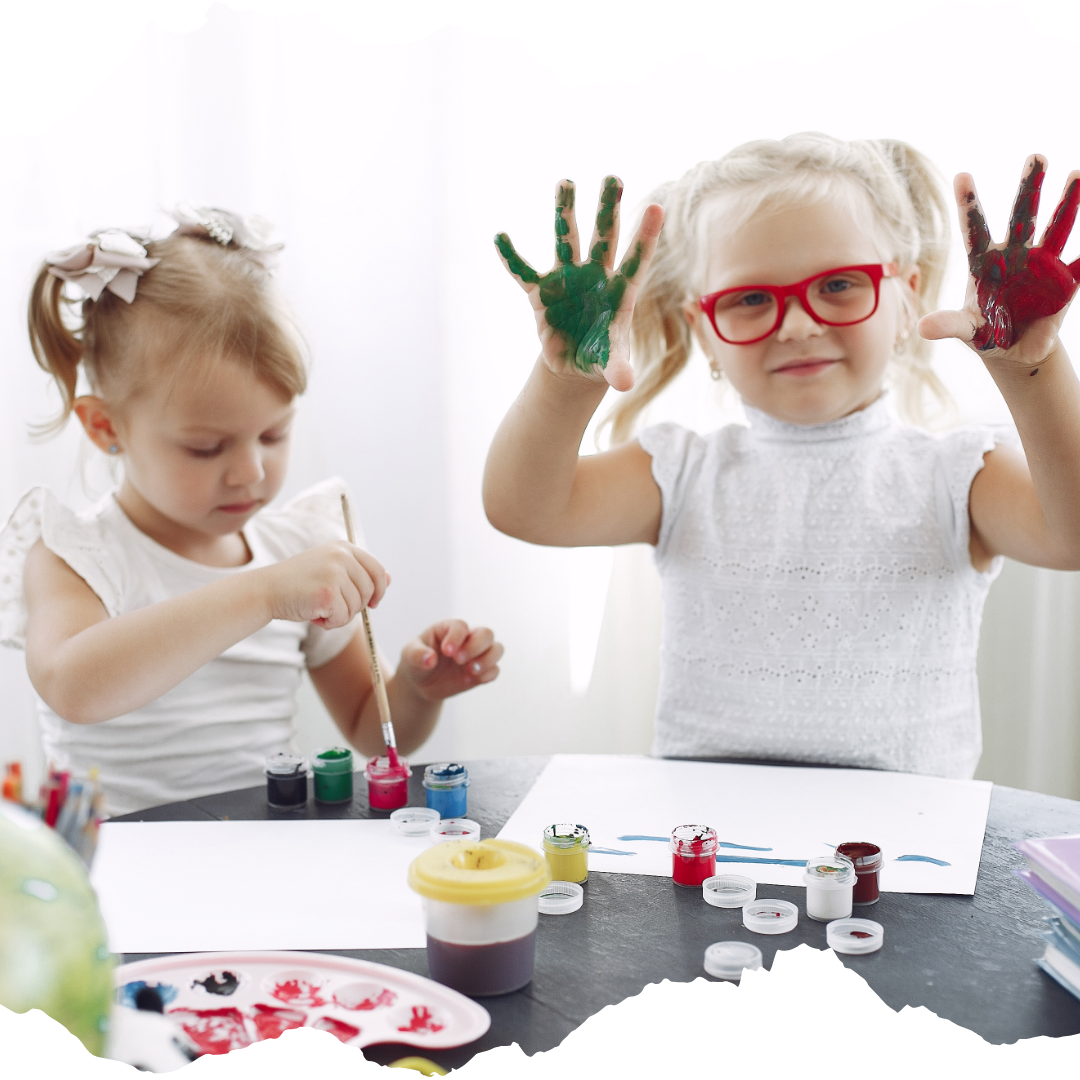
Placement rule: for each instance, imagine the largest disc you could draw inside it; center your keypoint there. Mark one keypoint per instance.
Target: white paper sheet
(795, 812)
(209, 886)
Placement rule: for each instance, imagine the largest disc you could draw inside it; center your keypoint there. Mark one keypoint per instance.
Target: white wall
(389, 143)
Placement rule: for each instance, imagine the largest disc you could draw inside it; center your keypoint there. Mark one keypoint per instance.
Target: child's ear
(97, 422)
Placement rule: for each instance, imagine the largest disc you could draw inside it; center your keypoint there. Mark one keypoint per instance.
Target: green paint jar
(332, 770)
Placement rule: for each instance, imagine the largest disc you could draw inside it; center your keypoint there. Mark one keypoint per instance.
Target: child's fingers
(526, 276)
(566, 230)
(369, 576)
(476, 644)
(1057, 232)
(948, 324)
(972, 220)
(605, 237)
(642, 248)
(447, 636)
(419, 654)
(486, 662)
(1026, 204)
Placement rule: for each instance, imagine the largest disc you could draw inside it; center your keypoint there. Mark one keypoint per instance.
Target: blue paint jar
(446, 786)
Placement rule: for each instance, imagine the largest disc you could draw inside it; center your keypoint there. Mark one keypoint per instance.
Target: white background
(389, 143)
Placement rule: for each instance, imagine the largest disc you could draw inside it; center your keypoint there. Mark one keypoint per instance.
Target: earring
(715, 372)
(901, 339)
(114, 449)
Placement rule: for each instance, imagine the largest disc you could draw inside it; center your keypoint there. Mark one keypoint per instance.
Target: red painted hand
(1017, 283)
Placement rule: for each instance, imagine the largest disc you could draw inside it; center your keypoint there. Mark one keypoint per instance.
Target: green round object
(54, 954)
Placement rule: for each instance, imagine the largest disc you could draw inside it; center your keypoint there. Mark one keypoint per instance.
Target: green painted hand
(583, 309)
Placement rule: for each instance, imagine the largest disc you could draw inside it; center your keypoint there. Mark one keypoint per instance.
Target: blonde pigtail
(57, 349)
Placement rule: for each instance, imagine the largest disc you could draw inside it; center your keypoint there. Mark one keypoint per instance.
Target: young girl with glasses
(166, 629)
(824, 569)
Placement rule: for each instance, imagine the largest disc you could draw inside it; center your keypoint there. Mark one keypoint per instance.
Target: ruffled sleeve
(313, 517)
(674, 451)
(960, 458)
(78, 539)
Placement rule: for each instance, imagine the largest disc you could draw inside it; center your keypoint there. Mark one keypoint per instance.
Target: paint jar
(770, 916)
(561, 897)
(442, 832)
(693, 855)
(729, 959)
(481, 910)
(868, 860)
(447, 789)
(414, 820)
(830, 883)
(286, 781)
(855, 937)
(332, 770)
(566, 848)
(728, 890)
(388, 785)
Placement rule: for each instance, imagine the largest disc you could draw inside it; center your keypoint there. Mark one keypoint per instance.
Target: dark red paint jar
(693, 855)
(867, 859)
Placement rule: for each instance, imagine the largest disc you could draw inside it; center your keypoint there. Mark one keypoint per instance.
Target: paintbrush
(376, 672)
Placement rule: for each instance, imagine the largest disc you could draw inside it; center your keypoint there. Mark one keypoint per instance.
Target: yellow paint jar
(566, 848)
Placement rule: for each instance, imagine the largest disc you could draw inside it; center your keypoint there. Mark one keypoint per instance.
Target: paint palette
(225, 1001)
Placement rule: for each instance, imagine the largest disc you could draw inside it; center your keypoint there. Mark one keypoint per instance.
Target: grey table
(966, 958)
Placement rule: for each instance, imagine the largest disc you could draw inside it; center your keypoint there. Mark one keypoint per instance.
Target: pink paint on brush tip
(391, 753)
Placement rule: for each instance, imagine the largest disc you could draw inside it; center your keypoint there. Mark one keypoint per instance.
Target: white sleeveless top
(819, 599)
(213, 731)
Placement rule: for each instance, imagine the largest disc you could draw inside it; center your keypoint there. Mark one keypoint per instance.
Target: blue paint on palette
(922, 858)
(128, 993)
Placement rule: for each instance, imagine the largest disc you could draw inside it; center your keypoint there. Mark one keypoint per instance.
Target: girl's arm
(444, 660)
(535, 485)
(89, 667)
(1017, 298)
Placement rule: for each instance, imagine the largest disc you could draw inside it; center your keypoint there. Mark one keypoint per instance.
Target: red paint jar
(868, 860)
(693, 855)
(388, 785)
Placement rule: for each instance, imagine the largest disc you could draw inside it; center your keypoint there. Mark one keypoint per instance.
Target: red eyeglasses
(840, 297)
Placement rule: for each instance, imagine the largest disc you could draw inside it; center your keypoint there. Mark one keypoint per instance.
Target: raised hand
(448, 658)
(1013, 284)
(583, 309)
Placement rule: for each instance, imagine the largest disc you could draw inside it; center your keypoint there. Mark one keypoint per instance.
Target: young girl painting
(824, 569)
(166, 629)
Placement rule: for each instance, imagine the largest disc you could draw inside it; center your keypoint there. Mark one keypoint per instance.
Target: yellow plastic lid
(479, 872)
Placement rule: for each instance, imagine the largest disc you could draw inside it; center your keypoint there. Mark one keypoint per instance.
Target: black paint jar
(286, 781)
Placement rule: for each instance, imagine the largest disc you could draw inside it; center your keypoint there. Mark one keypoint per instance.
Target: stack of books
(1053, 871)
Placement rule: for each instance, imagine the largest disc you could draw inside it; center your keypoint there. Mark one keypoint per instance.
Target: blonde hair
(203, 302)
(909, 218)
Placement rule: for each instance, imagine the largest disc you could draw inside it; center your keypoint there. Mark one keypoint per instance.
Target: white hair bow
(250, 233)
(111, 259)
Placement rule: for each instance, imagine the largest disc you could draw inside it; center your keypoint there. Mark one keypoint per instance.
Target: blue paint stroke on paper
(721, 843)
(921, 858)
(763, 862)
(609, 851)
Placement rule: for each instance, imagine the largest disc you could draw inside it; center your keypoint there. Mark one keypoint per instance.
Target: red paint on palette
(299, 992)
(271, 1020)
(364, 998)
(422, 1020)
(213, 1031)
(338, 1028)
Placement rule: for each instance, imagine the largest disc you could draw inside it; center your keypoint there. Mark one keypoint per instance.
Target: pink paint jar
(388, 785)
(693, 855)
(868, 861)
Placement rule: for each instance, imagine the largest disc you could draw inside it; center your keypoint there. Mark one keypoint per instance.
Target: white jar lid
(854, 936)
(728, 959)
(770, 916)
(414, 820)
(728, 890)
(454, 828)
(561, 898)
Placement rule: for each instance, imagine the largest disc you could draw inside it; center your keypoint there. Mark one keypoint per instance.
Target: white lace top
(213, 731)
(819, 598)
